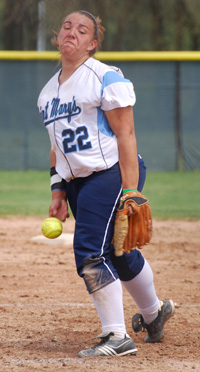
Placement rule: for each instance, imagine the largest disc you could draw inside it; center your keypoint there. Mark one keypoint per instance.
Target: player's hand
(59, 209)
(133, 223)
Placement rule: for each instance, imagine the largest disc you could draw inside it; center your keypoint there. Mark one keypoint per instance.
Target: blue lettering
(60, 110)
(44, 113)
(55, 103)
(68, 109)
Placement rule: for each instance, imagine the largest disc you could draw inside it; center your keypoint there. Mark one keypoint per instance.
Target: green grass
(174, 195)
(171, 194)
(25, 193)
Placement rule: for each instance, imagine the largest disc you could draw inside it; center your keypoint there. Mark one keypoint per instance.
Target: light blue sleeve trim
(103, 124)
(111, 77)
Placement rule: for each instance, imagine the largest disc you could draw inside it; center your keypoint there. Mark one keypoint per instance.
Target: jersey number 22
(76, 140)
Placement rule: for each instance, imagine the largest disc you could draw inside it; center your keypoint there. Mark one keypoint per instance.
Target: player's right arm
(58, 207)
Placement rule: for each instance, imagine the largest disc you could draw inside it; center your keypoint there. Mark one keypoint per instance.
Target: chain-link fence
(167, 113)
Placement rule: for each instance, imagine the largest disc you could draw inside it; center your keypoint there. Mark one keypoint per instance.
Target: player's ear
(92, 45)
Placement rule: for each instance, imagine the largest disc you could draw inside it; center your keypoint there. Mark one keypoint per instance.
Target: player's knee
(96, 274)
(129, 265)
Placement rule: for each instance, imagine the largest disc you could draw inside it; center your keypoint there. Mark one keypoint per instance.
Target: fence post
(41, 34)
(178, 126)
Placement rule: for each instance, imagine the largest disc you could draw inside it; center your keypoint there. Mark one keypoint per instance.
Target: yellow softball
(52, 228)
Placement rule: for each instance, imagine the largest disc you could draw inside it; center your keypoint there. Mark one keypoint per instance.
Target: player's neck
(69, 67)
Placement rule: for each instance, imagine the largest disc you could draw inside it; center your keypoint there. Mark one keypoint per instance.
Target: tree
(157, 25)
(19, 24)
(130, 24)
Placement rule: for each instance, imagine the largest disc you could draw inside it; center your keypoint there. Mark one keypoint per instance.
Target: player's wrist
(127, 190)
(57, 183)
(58, 195)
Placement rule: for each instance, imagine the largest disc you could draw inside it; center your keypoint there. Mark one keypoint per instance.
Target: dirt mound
(47, 316)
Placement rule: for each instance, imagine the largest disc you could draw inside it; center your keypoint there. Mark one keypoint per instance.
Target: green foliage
(172, 195)
(130, 24)
(19, 24)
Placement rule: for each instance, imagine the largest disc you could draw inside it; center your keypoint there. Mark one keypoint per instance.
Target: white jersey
(73, 113)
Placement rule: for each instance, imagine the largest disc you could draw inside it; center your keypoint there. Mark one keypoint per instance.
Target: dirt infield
(47, 317)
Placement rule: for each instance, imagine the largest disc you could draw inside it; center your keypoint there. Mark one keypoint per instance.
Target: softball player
(87, 110)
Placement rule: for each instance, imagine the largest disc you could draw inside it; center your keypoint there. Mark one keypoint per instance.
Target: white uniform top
(74, 115)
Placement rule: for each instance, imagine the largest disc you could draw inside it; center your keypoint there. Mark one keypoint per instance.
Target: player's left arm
(121, 120)
(133, 223)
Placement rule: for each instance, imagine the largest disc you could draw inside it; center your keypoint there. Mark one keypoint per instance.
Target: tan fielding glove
(133, 223)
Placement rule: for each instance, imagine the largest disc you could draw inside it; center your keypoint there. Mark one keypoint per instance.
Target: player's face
(76, 37)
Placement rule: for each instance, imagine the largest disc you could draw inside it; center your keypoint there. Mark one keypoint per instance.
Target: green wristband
(127, 190)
